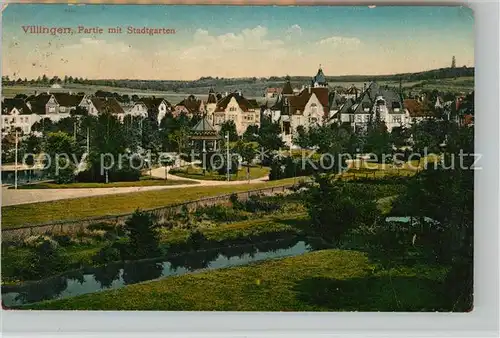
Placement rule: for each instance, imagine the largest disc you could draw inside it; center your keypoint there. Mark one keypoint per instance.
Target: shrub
(144, 239)
(108, 253)
(220, 213)
(106, 226)
(63, 240)
(35, 240)
(44, 259)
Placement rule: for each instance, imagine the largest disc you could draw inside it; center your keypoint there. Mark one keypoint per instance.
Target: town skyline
(344, 40)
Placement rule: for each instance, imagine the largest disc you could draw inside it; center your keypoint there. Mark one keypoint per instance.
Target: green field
(70, 209)
(327, 280)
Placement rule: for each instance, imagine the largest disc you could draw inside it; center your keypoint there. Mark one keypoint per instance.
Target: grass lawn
(197, 173)
(143, 182)
(327, 280)
(69, 209)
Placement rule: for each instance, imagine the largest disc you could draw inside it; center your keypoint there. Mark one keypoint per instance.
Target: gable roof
(68, 100)
(243, 103)
(110, 105)
(9, 104)
(38, 102)
(335, 101)
(191, 103)
(299, 102)
(153, 102)
(415, 108)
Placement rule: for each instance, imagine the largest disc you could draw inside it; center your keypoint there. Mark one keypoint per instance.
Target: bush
(107, 254)
(143, 237)
(106, 226)
(220, 213)
(35, 240)
(44, 259)
(64, 240)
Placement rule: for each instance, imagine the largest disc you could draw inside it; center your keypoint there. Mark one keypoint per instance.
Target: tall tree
(229, 127)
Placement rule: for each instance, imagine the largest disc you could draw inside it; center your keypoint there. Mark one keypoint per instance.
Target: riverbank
(327, 280)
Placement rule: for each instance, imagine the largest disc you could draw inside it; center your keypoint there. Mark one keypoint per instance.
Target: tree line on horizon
(209, 81)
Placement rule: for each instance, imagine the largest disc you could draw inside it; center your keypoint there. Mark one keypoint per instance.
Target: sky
(234, 41)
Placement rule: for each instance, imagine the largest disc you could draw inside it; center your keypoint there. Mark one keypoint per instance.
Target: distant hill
(434, 74)
(446, 79)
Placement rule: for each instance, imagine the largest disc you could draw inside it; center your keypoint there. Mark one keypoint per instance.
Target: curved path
(27, 196)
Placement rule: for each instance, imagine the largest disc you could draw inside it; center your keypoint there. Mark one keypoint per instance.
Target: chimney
(364, 86)
(309, 89)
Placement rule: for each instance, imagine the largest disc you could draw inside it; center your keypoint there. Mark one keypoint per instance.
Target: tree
(378, 139)
(60, 148)
(301, 138)
(445, 193)
(269, 135)
(143, 237)
(453, 62)
(229, 127)
(179, 138)
(251, 134)
(336, 207)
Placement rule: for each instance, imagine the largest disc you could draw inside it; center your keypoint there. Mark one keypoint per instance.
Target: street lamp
(15, 165)
(227, 153)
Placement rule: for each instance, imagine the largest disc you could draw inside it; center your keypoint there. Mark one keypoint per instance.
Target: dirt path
(26, 196)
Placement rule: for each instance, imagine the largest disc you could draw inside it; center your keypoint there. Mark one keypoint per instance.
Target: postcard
(237, 158)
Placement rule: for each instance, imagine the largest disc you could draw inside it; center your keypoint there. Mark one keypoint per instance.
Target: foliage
(269, 135)
(336, 207)
(144, 240)
(229, 127)
(45, 258)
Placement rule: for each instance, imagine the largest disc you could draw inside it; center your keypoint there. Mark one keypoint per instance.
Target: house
(374, 102)
(55, 105)
(156, 106)
(16, 115)
(417, 111)
(235, 107)
(108, 105)
(190, 106)
(309, 107)
(25, 113)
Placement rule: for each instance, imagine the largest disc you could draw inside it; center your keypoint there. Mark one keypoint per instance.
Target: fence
(161, 214)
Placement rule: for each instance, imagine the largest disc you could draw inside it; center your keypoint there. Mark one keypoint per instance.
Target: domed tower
(320, 79)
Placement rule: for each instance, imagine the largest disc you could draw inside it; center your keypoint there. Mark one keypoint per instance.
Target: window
(62, 109)
(232, 109)
(396, 119)
(314, 108)
(52, 109)
(6, 120)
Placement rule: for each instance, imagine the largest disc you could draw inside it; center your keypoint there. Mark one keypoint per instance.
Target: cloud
(293, 31)
(217, 46)
(336, 41)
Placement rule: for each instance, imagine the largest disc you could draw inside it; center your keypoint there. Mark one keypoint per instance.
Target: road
(27, 196)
